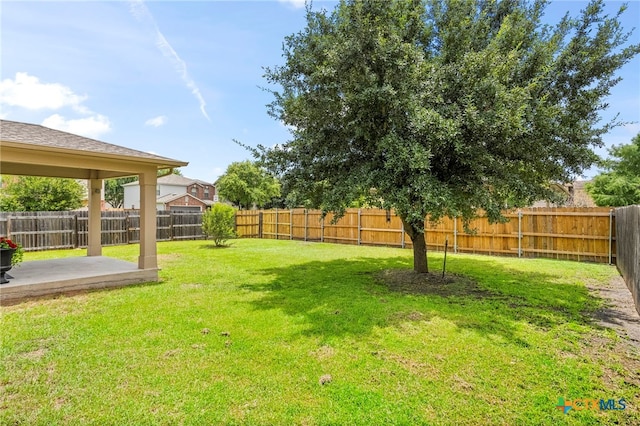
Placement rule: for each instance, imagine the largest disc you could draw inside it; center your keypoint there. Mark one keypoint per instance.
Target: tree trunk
(416, 233)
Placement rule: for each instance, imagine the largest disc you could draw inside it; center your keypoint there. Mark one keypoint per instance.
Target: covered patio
(34, 150)
(64, 276)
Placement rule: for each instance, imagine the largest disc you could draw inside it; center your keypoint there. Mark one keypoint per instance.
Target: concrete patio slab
(58, 276)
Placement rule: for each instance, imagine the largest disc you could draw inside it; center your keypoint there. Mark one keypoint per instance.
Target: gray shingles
(34, 134)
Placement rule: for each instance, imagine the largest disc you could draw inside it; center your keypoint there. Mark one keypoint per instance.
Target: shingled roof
(35, 134)
(174, 179)
(31, 149)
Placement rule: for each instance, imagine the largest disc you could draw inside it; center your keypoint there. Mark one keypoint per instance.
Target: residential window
(194, 190)
(206, 193)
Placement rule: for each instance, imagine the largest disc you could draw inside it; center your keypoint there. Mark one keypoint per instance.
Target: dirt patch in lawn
(620, 358)
(409, 282)
(618, 312)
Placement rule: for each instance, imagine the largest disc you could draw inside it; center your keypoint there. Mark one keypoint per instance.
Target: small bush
(219, 223)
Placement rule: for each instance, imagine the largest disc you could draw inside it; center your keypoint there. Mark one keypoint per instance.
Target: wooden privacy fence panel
(585, 234)
(628, 242)
(41, 230)
(186, 225)
(571, 232)
(58, 230)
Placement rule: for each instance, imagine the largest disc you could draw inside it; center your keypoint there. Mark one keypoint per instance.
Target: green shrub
(219, 223)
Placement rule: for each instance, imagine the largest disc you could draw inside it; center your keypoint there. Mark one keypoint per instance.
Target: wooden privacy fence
(628, 243)
(584, 234)
(57, 230)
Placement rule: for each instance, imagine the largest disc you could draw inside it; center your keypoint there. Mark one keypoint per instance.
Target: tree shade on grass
(244, 335)
(441, 107)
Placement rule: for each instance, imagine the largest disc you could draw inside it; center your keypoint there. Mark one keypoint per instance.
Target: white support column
(148, 254)
(94, 247)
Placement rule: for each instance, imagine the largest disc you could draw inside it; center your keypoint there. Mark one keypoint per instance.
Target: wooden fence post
(76, 238)
(260, 219)
(171, 223)
(127, 225)
(519, 233)
(306, 219)
(359, 225)
(402, 243)
(610, 235)
(455, 234)
(291, 224)
(322, 231)
(276, 223)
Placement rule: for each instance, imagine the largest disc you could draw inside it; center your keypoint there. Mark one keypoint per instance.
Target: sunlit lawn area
(283, 332)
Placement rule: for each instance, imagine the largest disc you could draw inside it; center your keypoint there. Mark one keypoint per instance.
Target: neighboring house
(574, 193)
(174, 192)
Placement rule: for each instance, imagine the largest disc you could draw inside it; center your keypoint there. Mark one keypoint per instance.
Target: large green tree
(245, 184)
(33, 193)
(619, 184)
(441, 108)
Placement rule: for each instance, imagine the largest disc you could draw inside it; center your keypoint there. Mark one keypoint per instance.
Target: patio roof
(34, 150)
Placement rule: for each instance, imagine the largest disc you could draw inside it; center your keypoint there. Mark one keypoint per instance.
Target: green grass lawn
(243, 335)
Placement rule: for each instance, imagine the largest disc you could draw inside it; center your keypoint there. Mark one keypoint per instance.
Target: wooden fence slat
(628, 250)
(56, 230)
(567, 233)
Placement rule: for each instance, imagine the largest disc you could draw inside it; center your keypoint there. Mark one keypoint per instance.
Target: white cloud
(28, 92)
(156, 121)
(140, 11)
(91, 127)
(298, 4)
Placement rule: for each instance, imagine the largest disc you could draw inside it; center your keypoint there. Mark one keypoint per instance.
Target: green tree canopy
(440, 108)
(32, 193)
(619, 184)
(245, 184)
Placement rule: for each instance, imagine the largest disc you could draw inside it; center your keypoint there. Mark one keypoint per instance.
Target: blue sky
(181, 79)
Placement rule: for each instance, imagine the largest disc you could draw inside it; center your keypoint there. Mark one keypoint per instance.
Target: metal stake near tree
(441, 108)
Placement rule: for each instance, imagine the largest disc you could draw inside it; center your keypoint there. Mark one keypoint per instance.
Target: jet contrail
(140, 11)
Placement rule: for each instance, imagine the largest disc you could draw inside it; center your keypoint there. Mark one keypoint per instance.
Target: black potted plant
(10, 256)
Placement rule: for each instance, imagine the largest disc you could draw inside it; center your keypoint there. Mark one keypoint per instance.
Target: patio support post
(94, 247)
(148, 253)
